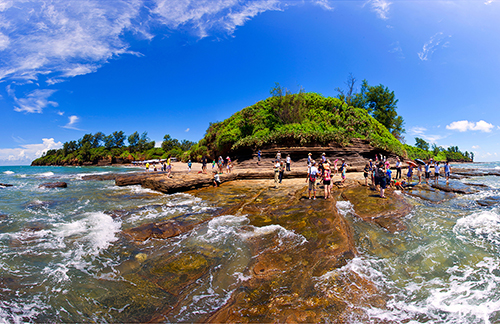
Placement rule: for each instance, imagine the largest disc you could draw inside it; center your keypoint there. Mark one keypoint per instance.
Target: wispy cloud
(421, 132)
(396, 49)
(28, 152)
(34, 102)
(72, 122)
(465, 125)
(325, 4)
(381, 8)
(187, 130)
(439, 40)
(48, 42)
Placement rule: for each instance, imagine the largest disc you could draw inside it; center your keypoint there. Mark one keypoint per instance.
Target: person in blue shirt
(447, 171)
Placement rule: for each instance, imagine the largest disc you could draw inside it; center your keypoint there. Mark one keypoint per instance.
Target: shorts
(366, 175)
(447, 174)
(326, 182)
(383, 182)
(312, 185)
(377, 181)
(169, 167)
(427, 175)
(436, 174)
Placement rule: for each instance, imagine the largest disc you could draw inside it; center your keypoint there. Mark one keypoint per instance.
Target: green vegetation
(92, 148)
(299, 119)
(422, 150)
(379, 101)
(284, 119)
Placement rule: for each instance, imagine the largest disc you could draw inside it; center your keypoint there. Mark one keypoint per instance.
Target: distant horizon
(165, 68)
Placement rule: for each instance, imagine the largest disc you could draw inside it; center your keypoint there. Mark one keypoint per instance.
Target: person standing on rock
(335, 167)
(278, 156)
(398, 168)
(190, 164)
(147, 167)
(204, 164)
(427, 172)
(311, 178)
(276, 169)
(309, 160)
(436, 172)
(343, 170)
(327, 178)
(259, 153)
(323, 158)
(288, 162)
(447, 171)
(366, 173)
(409, 175)
(169, 165)
(281, 170)
(419, 174)
(382, 179)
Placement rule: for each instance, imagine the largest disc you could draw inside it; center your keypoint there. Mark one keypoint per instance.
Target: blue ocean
(61, 251)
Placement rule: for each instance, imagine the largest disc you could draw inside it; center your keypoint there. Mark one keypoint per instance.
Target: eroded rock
(59, 184)
(371, 208)
(489, 201)
(430, 194)
(454, 186)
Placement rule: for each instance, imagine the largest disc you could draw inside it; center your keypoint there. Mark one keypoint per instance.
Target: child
(216, 179)
(189, 165)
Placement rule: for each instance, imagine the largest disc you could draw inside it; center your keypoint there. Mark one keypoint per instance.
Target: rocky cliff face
(356, 155)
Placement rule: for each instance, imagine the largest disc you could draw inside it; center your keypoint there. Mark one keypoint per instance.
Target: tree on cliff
(379, 101)
(421, 144)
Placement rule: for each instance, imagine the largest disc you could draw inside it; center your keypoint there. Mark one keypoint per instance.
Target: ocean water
(63, 257)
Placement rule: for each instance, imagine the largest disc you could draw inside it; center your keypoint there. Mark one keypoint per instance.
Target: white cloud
(71, 123)
(465, 125)
(381, 8)
(325, 4)
(487, 2)
(396, 48)
(187, 130)
(475, 147)
(27, 153)
(52, 41)
(35, 101)
(420, 132)
(436, 41)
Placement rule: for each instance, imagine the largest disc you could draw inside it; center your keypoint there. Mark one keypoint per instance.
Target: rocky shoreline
(328, 245)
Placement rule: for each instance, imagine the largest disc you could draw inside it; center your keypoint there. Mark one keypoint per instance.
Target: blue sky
(68, 68)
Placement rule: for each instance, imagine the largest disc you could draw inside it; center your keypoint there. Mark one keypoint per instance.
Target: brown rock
(371, 208)
(59, 184)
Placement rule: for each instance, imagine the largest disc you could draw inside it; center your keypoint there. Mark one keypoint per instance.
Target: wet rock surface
(489, 201)
(59, 184)
(3, 185)
(454, 186)
(425, 192)
(371, 208)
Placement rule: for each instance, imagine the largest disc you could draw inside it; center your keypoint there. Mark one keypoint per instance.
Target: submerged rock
(59, 184)
(454, 186)
(489, 201)
(3, 185)
(163, 230)
(371, 208)
(430, 194)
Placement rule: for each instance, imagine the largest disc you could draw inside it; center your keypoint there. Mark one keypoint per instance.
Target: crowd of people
(323, 171)
(380, 173)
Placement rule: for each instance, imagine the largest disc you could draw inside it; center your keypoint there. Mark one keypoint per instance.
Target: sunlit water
(63, 258)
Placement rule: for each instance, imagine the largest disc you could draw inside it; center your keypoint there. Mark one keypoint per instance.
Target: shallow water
(63, 255)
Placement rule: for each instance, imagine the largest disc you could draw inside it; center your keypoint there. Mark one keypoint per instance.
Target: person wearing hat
(288, 162)
(311, 179)
(309, 159)
(323, 157)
